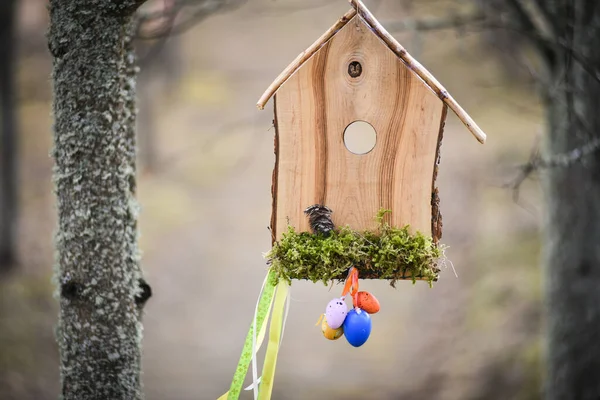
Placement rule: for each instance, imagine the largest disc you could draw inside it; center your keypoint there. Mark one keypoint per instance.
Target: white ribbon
(254, 348)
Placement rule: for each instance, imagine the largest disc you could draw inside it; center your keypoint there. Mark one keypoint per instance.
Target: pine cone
(319, 218)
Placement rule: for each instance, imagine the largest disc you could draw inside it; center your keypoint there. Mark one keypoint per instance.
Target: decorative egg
(357, 327)
(366, 301)
(329, 333)
(336, 312)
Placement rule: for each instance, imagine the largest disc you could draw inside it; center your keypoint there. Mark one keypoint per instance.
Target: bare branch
(574, 156)
(549, 21)
(525, 170)
(436, 23)
(289, 7)
(158, 24)
(564, 160)
(164, 21)
(561, 44)
(525, 21)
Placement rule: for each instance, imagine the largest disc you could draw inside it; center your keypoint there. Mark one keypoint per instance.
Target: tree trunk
(101, 291)
(572, 248)
(8, 136)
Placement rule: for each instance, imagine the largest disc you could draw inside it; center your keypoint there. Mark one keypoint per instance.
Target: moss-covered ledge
(387, 252)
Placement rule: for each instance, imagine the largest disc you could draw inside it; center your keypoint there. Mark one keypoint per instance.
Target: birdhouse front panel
(356, 77)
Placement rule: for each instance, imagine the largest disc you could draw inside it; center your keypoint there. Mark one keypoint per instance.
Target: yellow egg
(331, 334)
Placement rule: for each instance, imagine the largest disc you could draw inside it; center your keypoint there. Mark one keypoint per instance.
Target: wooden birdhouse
(331, 203)
(358, 73)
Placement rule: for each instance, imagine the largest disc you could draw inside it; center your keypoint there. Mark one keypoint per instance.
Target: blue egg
(357, 327)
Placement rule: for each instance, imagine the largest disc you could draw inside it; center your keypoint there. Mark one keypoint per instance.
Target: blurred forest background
(206, 157)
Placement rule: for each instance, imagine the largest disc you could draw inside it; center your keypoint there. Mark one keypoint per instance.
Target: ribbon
(253, 342)
(275, 335)
(272, 298)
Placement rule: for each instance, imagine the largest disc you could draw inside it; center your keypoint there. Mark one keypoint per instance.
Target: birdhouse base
(387, 253)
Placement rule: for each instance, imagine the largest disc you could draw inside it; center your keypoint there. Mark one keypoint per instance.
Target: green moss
(385, 253)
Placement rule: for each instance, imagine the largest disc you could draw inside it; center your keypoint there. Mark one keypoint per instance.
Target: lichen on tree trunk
(100, 287)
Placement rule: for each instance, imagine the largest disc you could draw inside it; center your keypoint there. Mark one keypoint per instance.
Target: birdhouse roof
(360, 11)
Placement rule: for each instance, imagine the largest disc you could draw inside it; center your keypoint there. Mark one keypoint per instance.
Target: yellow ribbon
(275, 329)
(320, 319)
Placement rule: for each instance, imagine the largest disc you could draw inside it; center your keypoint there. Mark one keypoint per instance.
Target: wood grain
(314, 107)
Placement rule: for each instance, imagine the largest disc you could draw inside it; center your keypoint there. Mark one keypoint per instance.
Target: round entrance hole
(360, 137)
(354, 69)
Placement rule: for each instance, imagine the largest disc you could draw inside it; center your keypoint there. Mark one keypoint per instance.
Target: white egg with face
(336, 312)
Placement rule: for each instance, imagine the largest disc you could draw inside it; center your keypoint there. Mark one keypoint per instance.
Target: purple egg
(336, 313)
(357, 327)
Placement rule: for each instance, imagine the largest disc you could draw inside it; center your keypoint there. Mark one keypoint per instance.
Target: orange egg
(367, 302)
(329, 333)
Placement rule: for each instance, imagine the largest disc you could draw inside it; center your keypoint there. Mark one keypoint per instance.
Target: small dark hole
(144, 294)
(354, 69)
(70, 290)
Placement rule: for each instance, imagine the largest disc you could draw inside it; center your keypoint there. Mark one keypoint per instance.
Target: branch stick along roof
(303, 57)
(360, 9)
